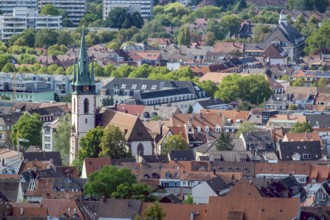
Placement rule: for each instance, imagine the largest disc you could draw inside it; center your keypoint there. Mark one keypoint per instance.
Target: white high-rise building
(144, 7)
(75, 8)
(7, 6)
(23, 18)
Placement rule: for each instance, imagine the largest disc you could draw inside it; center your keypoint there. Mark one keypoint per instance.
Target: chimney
(214, 170)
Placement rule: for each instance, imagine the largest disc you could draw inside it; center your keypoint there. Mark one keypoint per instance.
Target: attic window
(123, 86)
(144, 87)
(134, 86)
(153, 87)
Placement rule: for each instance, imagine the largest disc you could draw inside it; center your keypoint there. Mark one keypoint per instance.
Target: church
(287, 37)
(85, 116)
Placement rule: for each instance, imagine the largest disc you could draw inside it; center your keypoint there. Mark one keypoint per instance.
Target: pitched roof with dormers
(228, 47)
(282, 168)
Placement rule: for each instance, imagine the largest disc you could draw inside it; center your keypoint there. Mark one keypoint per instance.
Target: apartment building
(7, 6)
(144, 7)
(23, 18)
(75, 8)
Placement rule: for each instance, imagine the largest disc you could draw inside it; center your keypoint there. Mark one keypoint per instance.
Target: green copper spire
(85, 77)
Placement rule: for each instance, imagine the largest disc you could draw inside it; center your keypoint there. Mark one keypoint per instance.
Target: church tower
(83, 100)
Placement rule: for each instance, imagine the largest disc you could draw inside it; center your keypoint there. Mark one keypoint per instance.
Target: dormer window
(134, 86)
(199, 129)
(207, 129)
(153, 87)
(144, 86)
(123, 86)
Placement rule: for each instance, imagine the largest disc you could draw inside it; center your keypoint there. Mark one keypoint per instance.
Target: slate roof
(9, 190)
(217, 184)
(259, 139)
(187, 155)
(211, 102)
(312, 148)
(162, 93)
(110, 208)
(228, 166)
(285, 33)
(318, 120)
(44, 156)
(147, 85)
(10, 119)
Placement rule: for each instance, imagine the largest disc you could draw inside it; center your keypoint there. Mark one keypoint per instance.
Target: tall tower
(83, 100)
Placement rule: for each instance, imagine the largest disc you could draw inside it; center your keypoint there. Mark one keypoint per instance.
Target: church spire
(84, 77)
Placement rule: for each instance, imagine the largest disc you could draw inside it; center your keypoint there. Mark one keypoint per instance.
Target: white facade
(147, 148)
(202, 192)
(75, 8)
(47, 137)
(83, 120)
(144, 7)
(23, 18)
(7, 6)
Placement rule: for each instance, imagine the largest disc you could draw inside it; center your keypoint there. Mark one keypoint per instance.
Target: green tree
(4, 59)
(259, 32)
(46, 38)
(138, 191)
(223, 143)
(322, 82)
(292, 107)
(252, 88)
(189, 200)
(106, 180)
(27, 127)
(113, 143)
(299, 81)
(154, 212)
(240, 5)
(319, 39)
(174, 142)
(301, 127)
(231, 24)
(62, 136)
(108, 101)
(245, 106)
(320, 5)
(8, 68)
(246, 127)
(49, 9)
(90, 144)
(184, 36)
(208, 86)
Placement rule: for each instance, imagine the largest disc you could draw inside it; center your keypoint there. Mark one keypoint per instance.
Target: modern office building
(75, 8)
(144, 7)
(23, 18)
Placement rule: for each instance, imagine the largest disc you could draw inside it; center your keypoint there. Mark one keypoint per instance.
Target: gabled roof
(244, 189)
(284, 32)
(302, 137)
(289, 149)
(55, 156)
(275, 51)
(252, 208)
(130, 125)
(111, 208)
(217, 184)
(228, 47)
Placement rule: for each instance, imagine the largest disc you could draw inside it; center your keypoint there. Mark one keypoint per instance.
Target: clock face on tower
(86, 88)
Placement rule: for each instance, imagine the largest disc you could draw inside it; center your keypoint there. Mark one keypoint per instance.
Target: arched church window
(140, 149)
(86, 106)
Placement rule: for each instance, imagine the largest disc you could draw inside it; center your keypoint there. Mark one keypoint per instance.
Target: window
(123, 86)
(206, 129)
(1, 136)
(86, 106)
(144, 87)
(86, 121)
(307, 156)
(74, 105)
(153, 87)
(134, 86)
